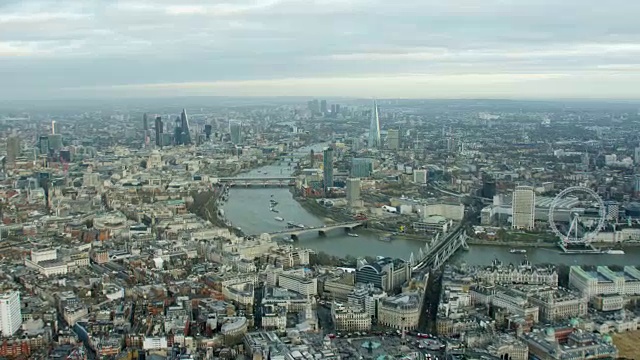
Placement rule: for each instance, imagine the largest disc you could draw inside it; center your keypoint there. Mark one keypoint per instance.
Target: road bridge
(295, 233)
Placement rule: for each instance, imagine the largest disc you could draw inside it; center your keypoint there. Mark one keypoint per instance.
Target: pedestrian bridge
(295, 233)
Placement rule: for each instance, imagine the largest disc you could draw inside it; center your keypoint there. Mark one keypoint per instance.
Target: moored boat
(518, 251)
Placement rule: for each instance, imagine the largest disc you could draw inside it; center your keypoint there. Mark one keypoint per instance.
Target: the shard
(374, 128)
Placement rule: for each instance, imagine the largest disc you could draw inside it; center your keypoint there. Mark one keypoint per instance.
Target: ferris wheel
(582, 229)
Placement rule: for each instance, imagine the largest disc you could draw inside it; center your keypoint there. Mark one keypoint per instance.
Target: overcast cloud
(360, 48)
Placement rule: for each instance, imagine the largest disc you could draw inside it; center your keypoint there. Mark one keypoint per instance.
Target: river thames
(249, 209)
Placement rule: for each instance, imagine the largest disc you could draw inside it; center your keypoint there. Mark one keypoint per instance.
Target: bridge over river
(295, 233)
(434, 254)
(265, 181)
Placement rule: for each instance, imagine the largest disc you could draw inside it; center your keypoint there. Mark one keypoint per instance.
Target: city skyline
(523, 50)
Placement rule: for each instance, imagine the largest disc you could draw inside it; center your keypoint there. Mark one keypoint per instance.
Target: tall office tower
(55, 127)
(159, 130)
(524, 208)
(10, 314)
(207, 131)
(636, 185)
(235, 129)
(145, 122)
(13, 149)
(43, 144)
(327, 163)
(312, 159)
(323, 107)
(314, 106)
(374, 128)
(636, 156)
(337, 109)
(488, 187)
(55, 142)
(177, 131)
(184, 125)
(393, 139)
(353, 191)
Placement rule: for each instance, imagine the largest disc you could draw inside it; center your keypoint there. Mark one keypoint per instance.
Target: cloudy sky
(361, 48)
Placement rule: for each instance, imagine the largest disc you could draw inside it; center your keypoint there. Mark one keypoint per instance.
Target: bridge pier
(322, 233)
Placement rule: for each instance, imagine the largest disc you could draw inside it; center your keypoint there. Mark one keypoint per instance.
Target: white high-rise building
(353, 191)
(10, 314)
(523, 206)
(374, 128)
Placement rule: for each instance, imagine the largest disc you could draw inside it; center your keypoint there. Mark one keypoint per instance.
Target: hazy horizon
(427, 49)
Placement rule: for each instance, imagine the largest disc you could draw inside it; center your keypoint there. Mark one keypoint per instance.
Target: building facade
(523, 208)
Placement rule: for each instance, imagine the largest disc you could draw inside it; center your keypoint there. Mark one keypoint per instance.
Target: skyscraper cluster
(181, 132)
(322, 108)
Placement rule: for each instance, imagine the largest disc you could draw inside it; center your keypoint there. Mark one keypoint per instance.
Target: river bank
(512, 244)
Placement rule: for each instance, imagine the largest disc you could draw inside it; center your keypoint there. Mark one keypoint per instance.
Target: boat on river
(278, 218)
(613, 252)
(353, 234)
(518, 251)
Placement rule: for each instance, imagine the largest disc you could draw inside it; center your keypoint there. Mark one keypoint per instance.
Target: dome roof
(550, 331)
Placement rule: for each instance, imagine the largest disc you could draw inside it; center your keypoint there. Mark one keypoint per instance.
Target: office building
(374, 128)
(386, 274)
(420, 176)
(612, 210)
(13, 148)
(488, 187)
(186, 131)
(393, 139)
(55, 142)
(312, 159)
(55, 127)
(636, 185)
(314, 106)
(145, 122)
(327, 163)
(605, 281)
(361, 167)
(323, 107)
(636, 156)
(10, 314)
(401, 312)
(523, 208)
(159, 130)
(353, 192)
(349, 319)
(235, 130)
(207, 131)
